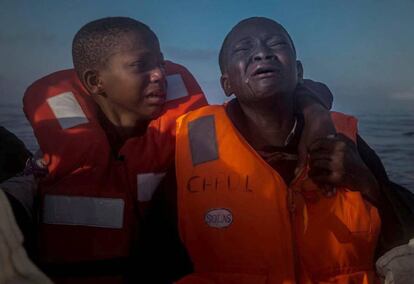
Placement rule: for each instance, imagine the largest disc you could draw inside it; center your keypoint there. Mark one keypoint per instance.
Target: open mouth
(265, 71)
(156, 97)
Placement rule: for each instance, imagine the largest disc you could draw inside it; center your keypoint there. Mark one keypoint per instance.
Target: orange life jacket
(89, 199)
(241, 223)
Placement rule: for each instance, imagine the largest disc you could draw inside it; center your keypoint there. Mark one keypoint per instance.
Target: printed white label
(218, 218)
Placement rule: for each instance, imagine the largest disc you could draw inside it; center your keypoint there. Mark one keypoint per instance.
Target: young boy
(244, 215)
(103, 135)
(108, 140)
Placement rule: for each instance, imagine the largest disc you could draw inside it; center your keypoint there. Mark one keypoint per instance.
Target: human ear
(299, 68)
(225, 85)
(92, 82)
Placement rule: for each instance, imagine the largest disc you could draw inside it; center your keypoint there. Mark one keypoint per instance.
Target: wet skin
(261, 70)
(261, 63)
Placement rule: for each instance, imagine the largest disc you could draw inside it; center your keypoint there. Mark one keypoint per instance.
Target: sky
(363, 50)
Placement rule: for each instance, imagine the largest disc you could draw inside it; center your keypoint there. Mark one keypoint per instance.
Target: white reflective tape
(67, 110)
(147, 184)
(83, 211)
(175, 87)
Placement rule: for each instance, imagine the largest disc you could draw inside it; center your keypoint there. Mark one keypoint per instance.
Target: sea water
(391, 135)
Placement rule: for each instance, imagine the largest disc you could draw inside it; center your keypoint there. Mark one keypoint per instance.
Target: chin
(267, 93)
(155, 113)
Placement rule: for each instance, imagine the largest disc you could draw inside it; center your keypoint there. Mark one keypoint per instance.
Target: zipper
(292, 214)
(290, 192)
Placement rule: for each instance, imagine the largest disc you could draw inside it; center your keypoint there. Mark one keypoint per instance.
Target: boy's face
(133, 77)
(260, 62)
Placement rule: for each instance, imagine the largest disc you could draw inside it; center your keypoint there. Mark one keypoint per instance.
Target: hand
(318, 124)
(334, 160)
(36, 165)
(314, 100)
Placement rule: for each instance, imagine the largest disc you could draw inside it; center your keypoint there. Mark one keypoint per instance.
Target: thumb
(302, 158)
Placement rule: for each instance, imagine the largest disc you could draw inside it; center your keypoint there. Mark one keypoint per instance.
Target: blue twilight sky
(363, 50)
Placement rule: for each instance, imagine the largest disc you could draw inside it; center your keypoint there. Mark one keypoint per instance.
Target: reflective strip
(203, 141)
(67, 110)
(175, 87)
(83, 211)
(147, 184)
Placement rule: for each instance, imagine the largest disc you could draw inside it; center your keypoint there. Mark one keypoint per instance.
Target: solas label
(218, 218)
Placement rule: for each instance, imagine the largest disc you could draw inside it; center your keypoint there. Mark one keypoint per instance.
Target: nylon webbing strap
(83, 211)
(67, 110)
(203, 140)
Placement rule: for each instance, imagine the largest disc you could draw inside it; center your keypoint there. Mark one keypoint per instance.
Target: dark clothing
(13, 157)
(13, 154)
(160, 255)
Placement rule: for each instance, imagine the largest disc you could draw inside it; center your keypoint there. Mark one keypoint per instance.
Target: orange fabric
(68, 150)
(80, 163)
(276, 233)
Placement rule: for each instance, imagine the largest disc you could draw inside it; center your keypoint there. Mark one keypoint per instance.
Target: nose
(263, 52)
(157, 74)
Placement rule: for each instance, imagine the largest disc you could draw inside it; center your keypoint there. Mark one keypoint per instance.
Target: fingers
(328, 190)
(332, 143)
(330, 160)
(326, 176)
(326, 160)
(323, 164)
(323, 170)
(326, 168)
(324, 144)
(321, 150)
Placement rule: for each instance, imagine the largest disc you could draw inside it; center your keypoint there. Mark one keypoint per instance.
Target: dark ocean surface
(391, 135)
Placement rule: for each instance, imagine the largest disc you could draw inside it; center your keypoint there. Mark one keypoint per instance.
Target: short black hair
(223, 51)
(94, 42)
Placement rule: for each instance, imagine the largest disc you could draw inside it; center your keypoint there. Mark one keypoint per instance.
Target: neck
(126, 124)
(264, 124)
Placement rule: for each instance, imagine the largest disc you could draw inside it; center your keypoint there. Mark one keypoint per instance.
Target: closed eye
(241, 48)
(276, 43)
(236, 50)
(243, 45)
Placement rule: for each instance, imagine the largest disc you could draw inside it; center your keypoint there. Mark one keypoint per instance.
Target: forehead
(132, 45)
(260, 28)
(137, 40)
